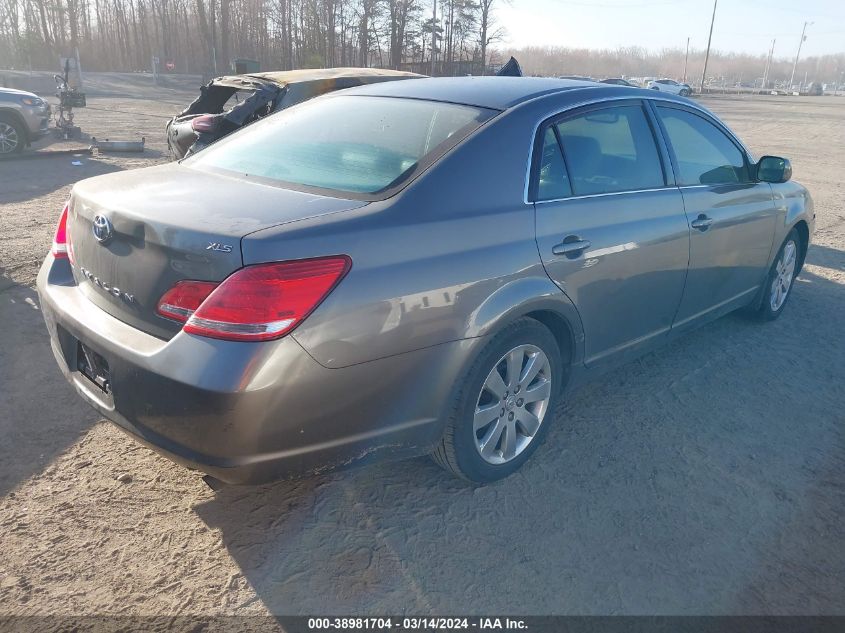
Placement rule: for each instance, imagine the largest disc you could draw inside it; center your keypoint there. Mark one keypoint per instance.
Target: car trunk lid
(133, 235)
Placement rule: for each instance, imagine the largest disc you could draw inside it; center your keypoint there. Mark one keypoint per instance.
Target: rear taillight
(182, 300)
(204, 123)
(59, 249)
(256, 303)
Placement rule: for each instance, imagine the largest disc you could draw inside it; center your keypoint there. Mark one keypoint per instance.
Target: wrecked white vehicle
(228, 103)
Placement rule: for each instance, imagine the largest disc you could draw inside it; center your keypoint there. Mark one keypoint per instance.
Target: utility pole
(709, 39)
(768, 66)
(686, 60)
(433, 35)
(798, 54)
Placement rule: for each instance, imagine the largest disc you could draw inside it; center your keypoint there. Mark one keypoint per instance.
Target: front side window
(364, 146)
(610, 150)
(705, 155)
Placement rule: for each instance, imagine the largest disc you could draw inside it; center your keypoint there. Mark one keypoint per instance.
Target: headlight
(32, 101)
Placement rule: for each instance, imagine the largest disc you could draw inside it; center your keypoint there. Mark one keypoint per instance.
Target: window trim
(719, 126)
(537, 155)
(558, 111)
(666, 167)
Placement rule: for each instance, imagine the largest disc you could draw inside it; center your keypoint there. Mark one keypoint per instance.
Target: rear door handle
(702, 222)
(571, 246)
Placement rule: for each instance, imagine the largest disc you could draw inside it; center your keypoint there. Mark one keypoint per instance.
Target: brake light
(204, 123)
(182, 300)
(59, 249)
(256, 303)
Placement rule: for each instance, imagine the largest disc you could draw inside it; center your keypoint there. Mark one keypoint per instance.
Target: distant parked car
(576, 78)
(670, 86)
(24, 117)
(618, 81)
(228, 103)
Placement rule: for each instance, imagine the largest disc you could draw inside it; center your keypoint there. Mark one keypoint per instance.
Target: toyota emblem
(102, 229)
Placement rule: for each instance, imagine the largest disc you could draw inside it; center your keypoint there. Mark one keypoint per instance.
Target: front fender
(794, 204)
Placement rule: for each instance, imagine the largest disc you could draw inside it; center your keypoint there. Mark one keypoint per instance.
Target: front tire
(505, 405)
(778, 285)
(12, 137)
(684, 92)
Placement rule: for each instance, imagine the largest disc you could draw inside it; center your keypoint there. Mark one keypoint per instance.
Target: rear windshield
(363, 146)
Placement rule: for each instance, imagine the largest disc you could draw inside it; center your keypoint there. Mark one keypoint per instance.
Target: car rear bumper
(249, 412)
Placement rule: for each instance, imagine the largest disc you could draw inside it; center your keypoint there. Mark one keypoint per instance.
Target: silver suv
(24, 117)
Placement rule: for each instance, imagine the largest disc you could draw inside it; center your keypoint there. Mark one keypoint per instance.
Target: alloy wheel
(8, 138)
(784, 274)
(512, 404)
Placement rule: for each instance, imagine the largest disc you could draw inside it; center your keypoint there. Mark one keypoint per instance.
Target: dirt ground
(705, 478)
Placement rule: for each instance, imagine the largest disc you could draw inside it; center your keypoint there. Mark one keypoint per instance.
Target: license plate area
(94, 367)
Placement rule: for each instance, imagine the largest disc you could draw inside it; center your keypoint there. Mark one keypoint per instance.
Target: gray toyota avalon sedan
(411, 267)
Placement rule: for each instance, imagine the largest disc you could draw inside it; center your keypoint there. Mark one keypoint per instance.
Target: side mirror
(774, 169)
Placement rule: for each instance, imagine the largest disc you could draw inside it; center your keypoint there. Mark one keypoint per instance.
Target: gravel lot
(705, 478)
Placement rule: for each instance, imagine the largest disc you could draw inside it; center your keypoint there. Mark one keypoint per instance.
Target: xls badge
(220, 248)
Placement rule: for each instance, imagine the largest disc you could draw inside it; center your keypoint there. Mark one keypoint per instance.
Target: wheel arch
(537, 298)
(15, 116)
(561, 329)
(803, 233)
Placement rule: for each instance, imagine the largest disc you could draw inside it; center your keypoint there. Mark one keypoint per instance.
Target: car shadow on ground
(702, 478)
(35, 428)
(55, 172)
(826, 257)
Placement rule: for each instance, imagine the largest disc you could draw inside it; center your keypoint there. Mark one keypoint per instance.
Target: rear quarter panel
(452, 256)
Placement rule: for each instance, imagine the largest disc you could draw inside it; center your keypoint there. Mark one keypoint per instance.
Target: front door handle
(702, 222)
(571, 246)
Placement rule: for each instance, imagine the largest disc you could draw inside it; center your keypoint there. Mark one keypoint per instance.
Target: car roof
(326, 78)
(500, 93)
(321, 74)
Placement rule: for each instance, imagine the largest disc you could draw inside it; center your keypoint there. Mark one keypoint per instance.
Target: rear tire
(12, 137)
(781, 278)
(504, 406)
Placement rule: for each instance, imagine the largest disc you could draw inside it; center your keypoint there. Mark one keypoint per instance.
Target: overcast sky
(741, 25)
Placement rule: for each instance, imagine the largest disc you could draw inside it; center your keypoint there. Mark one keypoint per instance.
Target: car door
(732, 217)
(611, 229)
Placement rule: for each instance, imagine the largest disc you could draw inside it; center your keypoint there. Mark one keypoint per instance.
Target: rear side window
(610, 150)
(552, 179)
(705, 155)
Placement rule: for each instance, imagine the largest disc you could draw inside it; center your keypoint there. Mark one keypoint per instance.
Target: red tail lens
(59, 249)
(204, 123)
(182, 300)
(266, 301)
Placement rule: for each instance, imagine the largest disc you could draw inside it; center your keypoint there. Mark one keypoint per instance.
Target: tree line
(670, 62)
(203, 36)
